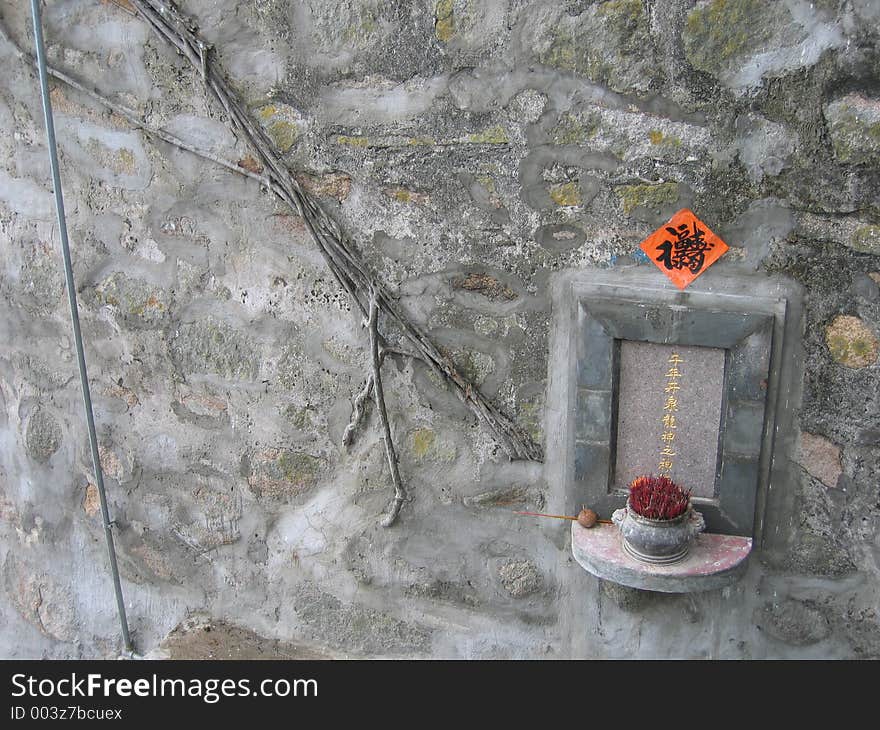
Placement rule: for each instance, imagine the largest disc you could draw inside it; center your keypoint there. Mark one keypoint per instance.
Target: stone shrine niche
(647, 379)
(620, 331)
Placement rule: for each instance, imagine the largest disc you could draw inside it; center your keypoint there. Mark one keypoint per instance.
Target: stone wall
(473, 150)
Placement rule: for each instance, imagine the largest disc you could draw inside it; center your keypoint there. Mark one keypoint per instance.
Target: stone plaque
(669, 414)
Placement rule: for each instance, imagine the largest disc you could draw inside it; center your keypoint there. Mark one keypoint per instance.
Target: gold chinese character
(669, 420)
(673, 372)
(671, 403)
(675, 358)
(672, 387)
(667, 436)
(664, 465)
(667, 451)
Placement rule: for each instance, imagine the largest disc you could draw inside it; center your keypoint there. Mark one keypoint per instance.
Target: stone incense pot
(661, 542)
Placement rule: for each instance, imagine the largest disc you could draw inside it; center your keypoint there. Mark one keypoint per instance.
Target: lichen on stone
(851, 342)
(280, 473)
(474, 366)
(854, 128)
(212, 346)
(566, 194)
(357, 141)
(658, 138)
(609, 42)
(444, 20)
(866, 239)
(647, 196)
(425, 446)
(136, 302)
(283, 123)
(722, 30)
(491, 135)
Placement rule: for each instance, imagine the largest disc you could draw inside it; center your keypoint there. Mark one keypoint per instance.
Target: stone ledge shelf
(714, 561)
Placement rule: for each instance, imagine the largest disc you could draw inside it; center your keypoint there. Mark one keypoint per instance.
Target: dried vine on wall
(369, 295)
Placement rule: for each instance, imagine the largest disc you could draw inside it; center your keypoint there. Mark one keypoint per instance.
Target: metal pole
(74, 316)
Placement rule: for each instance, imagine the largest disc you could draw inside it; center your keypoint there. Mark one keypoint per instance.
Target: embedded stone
(795, 622)
(513, 496)
(40, 280)
(405, 195)
(40, 600)
(356, 628)
(91, 502)
(492, 135)
(474, 366)
(819, 554)
(444, 20)
(486, 285)
(572, 129)
(820, 457)
(200, 638)
(258, 550)
(136, 303)
(279, 473)
(425, 446)
(609, 43)
(43, 435)
(112, 465)
(251, 164)
(626, 598)
(283, 123)
(566, 194)
(520, 578)
(203, 404)
(719, 35)
(211, 516)
(212, 346)
(866, 239)
(116, 157)
(331, 185)
(851, 342)
(854, 128)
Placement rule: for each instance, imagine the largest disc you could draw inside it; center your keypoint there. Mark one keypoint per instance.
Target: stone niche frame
(746, 316)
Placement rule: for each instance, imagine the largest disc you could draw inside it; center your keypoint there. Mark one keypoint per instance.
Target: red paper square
(683, 248)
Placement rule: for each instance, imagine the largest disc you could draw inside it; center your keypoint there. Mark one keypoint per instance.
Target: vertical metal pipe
(74, 316)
